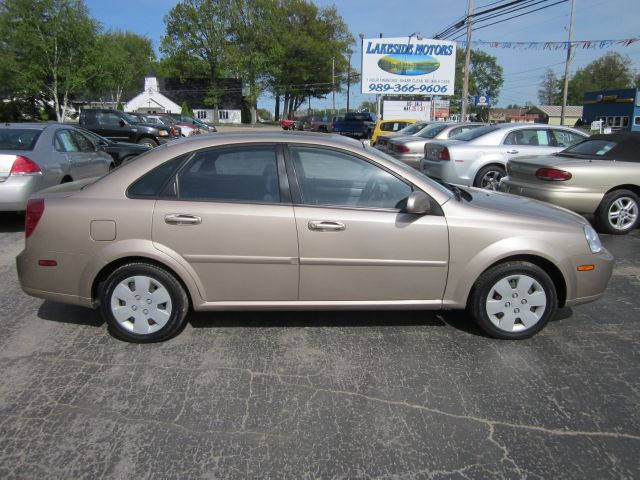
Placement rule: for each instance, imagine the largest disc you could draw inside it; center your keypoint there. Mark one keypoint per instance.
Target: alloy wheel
(623, 213)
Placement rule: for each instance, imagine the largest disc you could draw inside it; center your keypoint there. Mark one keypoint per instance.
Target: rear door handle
(326, 226)
(512, 151)
(182, 219)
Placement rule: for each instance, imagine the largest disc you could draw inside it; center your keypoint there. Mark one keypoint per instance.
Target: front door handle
(182, 219)
(512, 151)
(326, 226)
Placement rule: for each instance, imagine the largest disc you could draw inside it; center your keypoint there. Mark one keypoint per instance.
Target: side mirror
(418, 203)
(122, 122)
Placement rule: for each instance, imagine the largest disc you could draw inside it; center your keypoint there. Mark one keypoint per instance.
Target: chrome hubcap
(491, 179)
(516, 303)
(623, 213)
(141, 304)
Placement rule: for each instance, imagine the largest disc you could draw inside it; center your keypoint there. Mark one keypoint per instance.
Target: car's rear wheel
(143, 303)
(489, 177)
(618, 212)
(513, 300)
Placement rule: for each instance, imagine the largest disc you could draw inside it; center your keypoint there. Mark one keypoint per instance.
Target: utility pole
(467, 62)
(333, 81)
(565, 90)
(349, 82)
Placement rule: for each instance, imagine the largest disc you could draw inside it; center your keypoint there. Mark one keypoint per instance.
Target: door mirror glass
(418, 203)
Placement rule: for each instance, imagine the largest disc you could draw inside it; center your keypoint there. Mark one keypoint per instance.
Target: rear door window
(529, 136)
(239, 174)
(18, 138)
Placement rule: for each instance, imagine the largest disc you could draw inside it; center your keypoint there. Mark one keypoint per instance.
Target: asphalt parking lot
(305, 395)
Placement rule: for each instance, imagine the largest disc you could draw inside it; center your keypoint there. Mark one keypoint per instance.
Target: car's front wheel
(148, 141)
(513, 300)
(143, 303)
(618, 212)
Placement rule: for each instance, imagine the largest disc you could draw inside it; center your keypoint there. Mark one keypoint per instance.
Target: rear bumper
(572, 198)
(446, 171)
(16, 190)
(412, 159)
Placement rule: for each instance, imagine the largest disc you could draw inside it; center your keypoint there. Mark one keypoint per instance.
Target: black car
(123, 127)
(121, 152)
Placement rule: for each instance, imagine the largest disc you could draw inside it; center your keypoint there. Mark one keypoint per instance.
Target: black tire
(148, 141)
(66, 179)
(488, 177)
(610, 205)
(513, 273)
(178, 304)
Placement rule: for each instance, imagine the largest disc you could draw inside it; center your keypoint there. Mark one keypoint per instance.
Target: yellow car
(384, 127)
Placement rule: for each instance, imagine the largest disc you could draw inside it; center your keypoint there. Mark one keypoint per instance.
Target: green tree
(198, 42)
(485, 77)
(185, 109)
(49, 49)
(309, 41)
(367, 106)
(125, 58)
(550, 91)
(611, 71)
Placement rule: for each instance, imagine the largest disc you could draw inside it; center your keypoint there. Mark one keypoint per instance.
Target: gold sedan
(600, 176)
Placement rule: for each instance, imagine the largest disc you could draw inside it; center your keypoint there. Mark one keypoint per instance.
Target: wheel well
(113, 266)
(66, 179)
(634, 188)
(549, 268)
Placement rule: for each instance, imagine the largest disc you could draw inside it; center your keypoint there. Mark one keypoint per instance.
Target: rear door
(229, 216)
(355, 243)
(526, 142)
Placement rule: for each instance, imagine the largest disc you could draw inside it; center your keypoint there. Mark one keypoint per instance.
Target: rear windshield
(591, 147)
(361, 117)
(432, 131)
(18, 138)
(411, 129)
(475, 133)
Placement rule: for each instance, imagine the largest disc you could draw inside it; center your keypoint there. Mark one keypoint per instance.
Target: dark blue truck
(356, 124)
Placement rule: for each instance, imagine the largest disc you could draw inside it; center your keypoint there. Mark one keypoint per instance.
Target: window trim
(295, 186)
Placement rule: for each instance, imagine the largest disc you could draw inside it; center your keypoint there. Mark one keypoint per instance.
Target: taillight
(444, 154)
(24, 166)
(553, 174)
(35, 209)
(401, 149)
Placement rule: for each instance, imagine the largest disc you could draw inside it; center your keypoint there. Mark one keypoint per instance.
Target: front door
(355, 244)
(229, 221)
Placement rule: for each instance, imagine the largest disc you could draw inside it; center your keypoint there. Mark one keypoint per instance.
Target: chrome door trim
(250, 259)
(373, 262)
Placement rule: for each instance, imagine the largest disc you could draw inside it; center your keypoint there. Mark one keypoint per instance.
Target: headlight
(592, 239)
(163, 133)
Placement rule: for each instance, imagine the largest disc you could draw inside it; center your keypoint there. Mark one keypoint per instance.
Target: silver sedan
(478, 157)
(410, 149)
(34, 156)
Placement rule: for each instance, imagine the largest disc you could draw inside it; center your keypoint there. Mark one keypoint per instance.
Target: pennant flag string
(585, 44)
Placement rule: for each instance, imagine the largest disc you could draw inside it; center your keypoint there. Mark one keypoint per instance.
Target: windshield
(591, 147)
(432, 131)
(18, 138)
(131, 118)
(475, 133)
(406, 168)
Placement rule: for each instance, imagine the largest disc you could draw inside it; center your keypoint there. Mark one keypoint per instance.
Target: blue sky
(595, 19)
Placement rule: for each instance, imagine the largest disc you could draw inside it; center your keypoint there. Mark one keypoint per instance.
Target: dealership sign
(407, 65)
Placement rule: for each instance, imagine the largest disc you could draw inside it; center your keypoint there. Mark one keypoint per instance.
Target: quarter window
(231, 174)
(331, 178)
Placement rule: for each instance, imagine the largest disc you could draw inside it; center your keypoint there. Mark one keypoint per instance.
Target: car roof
(31, 125)
(627, 144)
(271, 136)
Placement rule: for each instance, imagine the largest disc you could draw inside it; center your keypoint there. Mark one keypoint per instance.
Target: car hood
(523, 207)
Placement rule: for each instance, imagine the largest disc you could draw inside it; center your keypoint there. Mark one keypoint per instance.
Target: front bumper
(587, 286)
(572, 198)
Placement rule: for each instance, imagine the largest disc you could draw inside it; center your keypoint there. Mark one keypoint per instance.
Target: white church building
(151, 100)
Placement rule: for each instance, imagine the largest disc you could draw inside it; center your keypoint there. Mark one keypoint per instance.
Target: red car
(288, 124)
